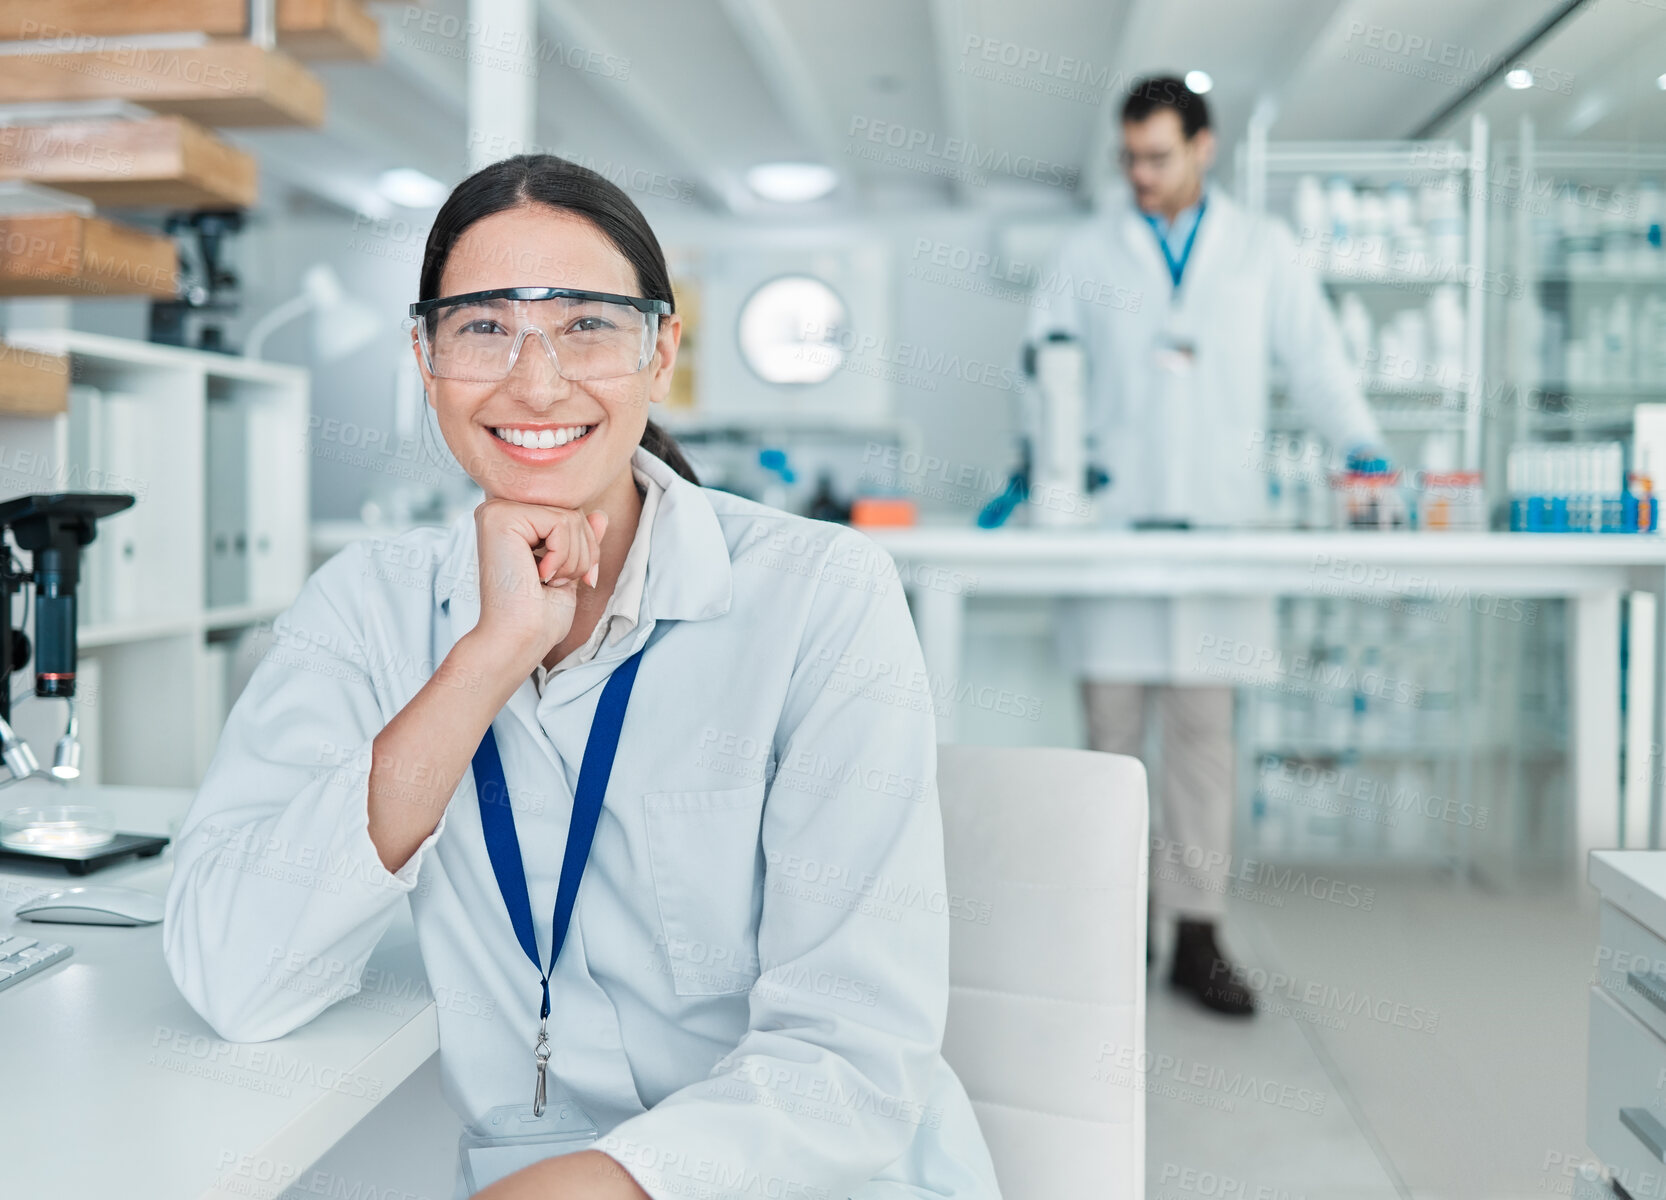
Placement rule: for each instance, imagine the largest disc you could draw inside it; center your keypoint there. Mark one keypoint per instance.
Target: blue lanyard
(497, 819)
(1177, 266)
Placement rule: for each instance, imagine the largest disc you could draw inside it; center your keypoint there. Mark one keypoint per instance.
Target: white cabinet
(214, 450)
(1625, 1100)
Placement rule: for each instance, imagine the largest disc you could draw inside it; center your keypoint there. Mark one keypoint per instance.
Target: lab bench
(118, 1088)
(947, 568)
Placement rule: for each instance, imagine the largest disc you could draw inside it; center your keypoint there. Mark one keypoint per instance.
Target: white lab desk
(113, 1086)
(946, 567)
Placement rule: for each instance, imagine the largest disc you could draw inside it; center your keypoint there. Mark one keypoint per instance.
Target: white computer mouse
(96, 904)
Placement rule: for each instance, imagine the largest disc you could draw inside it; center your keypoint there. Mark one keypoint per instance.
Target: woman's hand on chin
(532, 559)
(587, 1175)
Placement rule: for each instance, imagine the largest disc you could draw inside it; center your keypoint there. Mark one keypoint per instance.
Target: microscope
(1055, 477)
(52, 528)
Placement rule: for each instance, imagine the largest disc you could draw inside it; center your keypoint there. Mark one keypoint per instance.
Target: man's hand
(587, 1175)
(1369, 459)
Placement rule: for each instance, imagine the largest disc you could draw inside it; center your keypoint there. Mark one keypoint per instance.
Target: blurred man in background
(1177, 411)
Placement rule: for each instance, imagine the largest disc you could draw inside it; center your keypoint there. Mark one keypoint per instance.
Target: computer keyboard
(21, 957)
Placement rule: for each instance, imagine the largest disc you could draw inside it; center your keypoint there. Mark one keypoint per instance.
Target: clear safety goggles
(588, 335)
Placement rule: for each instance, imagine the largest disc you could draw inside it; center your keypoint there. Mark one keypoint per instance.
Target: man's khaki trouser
(1191, 808)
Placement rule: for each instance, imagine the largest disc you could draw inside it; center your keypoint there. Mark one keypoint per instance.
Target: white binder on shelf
(277, 531)
(118, 443)
(226, 502)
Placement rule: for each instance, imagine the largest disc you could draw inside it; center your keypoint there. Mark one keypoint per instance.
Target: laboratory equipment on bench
(213, 292)
(1578, 488)
(778, 477)
(1369, 495)
(1060, 486)
(1452, 500)
(1370, 500)
(52, 528)
(825, 505)
(1055, 476)
(883, 512)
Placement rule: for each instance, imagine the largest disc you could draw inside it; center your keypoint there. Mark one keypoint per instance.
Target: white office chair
(1046, 1023)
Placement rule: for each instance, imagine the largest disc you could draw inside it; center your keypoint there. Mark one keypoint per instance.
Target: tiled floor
(1431, 1047)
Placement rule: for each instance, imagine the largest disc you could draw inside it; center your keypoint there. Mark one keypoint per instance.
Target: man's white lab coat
(1177, 405)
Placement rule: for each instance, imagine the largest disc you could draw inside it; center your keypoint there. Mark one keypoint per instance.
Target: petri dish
(57, 828)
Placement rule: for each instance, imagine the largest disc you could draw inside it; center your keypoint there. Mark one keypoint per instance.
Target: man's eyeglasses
(1155, 159)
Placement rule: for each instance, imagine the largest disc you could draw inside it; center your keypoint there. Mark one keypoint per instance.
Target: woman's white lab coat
(1185, 435)
(751, 997)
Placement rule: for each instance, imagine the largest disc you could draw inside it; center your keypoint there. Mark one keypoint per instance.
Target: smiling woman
(540, 225)
(608, 634)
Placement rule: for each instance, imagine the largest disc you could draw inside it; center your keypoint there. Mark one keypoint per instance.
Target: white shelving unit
(1267, 172)
(1564, 284)
(1464, 739)
(215, 546)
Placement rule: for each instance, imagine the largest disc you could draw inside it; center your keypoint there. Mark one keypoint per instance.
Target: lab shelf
(1604, 389)
(1266, 166)
(91, 637)
(154, 691)
(1605, 278)
(240, 615)
(1324, 749)
(1387, 279)
(1393, 421)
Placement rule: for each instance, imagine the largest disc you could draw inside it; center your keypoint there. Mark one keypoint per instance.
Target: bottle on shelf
(1577, 488)
(1342, 209)
(778, 476)
(1311, 212)
(1617, 362)
(1446, 335)
(1619, 232)
(1647, 251)
(1649, 342)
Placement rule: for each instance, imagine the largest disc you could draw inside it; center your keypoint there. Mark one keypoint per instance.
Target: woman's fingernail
(594, 574)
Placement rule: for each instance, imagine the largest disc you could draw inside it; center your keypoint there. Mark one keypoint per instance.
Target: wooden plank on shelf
(333, 30)
(308, 29)
(220, 83)
(67, 254)
(33, 383)
(167, 161)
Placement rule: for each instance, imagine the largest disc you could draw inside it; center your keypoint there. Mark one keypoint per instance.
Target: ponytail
(664, 447)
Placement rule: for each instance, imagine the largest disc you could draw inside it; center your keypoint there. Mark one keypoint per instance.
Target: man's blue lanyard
(497, 820)
(1177, 266)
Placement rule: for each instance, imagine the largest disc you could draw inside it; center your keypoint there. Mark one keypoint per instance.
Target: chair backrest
(1046, 855)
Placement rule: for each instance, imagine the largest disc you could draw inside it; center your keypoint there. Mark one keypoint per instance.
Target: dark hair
(557, 183)
(1151, 95)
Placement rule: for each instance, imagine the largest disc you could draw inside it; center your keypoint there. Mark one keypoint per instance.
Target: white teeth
(541, 439)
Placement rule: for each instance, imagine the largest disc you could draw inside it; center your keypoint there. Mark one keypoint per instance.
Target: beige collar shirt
(624, 607)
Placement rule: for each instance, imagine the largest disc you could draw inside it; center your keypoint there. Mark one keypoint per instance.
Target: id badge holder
(509, 1138)
(1174, 353)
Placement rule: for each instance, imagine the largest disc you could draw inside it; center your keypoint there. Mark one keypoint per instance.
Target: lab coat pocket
(703, 848)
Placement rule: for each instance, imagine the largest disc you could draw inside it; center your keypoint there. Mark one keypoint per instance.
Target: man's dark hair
(1166, 91)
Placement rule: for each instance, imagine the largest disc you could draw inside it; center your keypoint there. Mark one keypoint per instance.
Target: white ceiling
(711, 87)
